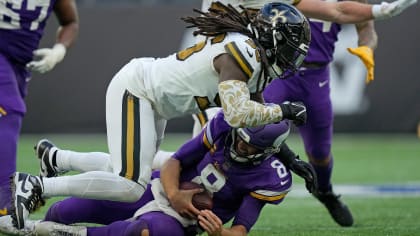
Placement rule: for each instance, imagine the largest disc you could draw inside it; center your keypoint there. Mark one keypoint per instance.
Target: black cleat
(337, 209)
(45, 151)
(26, 197)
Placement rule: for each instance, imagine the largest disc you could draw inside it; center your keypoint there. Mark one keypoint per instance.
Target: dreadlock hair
(222, 19)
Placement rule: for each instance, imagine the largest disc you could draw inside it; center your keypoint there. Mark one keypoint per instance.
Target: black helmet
(284, 33)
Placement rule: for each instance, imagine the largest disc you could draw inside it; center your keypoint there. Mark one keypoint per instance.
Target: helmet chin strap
(232, 156)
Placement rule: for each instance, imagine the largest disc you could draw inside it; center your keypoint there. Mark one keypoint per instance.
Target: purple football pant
(79, 210)
(158, 224)
(12, 110)
(312, 88)
(113, 215)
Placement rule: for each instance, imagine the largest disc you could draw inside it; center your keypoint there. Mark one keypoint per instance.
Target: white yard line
(354, 190)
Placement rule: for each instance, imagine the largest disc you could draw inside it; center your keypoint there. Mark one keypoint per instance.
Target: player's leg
(55, 161)
(152, 223)
(317, 137)
(124, 115)
(77, 210)
(12, 109)
(10, 124)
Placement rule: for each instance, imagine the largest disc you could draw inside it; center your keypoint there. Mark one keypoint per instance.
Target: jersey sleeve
(248, 213)
(194, 150)
(244, 51)
(272, 186)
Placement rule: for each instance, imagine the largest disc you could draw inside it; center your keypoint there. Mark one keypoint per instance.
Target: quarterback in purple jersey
(310, 84)
(236, 165)
(22, 25)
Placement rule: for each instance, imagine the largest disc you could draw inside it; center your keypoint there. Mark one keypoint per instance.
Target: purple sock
(324, 176)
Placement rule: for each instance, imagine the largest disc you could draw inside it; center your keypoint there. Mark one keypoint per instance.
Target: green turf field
(367, 160)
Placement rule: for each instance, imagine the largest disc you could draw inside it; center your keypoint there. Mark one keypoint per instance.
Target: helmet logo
(278, 16)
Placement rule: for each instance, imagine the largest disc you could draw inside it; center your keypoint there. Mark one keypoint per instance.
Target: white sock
(83, 161)
(94, 185)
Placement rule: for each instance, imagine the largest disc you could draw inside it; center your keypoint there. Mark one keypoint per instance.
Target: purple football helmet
(267, 139)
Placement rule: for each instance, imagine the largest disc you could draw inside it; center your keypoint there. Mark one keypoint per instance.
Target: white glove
(47, 58)
(387, 10)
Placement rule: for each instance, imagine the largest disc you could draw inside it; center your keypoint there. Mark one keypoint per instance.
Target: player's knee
(156, 223)
(53, 213)
(138, 227)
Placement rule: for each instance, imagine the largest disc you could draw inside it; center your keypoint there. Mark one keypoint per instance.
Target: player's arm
(246, 217)
(213, 226)
(181, 200)
(66, 12)
(352, 12)
(189, 154)
(47, 58)
(239, 109)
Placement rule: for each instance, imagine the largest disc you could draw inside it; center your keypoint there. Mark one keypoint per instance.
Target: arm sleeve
(241, 111)
(194, 150)
(249, 212)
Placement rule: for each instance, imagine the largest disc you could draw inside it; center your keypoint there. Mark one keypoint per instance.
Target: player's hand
(47, 58)
(387, 10)
(365, 54)
(295, 111)
(210, 222)
(181, 201)
(305, 171)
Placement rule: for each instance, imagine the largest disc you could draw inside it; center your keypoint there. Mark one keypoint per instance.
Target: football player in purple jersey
(310, 84)
(236, 165)
(22, 25)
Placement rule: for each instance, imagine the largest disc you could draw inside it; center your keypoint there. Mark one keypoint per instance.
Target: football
(201, 201)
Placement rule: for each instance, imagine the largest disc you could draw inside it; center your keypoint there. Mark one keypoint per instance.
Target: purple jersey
(238, 191)
(22, 24)
(323, 37)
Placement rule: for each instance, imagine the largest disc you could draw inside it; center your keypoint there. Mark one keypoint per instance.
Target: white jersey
(187, 83)
(246, 3)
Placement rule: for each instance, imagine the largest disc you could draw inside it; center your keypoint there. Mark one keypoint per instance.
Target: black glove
(299, 167)
(295, 111)
(307, 172)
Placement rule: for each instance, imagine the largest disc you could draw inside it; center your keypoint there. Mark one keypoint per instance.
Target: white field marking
(366, 190)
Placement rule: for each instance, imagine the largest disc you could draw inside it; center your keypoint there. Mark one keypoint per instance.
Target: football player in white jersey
(237, 60)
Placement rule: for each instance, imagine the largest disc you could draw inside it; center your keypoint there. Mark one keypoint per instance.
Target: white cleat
(26, 197)
(7, 228)
(49, 228)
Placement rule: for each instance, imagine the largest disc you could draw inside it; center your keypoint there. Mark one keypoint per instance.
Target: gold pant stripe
(130, 138)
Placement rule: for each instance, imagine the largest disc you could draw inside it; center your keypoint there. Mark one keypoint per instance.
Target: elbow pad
(240, 111)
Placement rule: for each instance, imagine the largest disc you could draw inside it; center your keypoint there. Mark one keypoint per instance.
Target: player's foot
(48, 228)
(337, 209)
(26, 197)
(7, 228)
(45, 150)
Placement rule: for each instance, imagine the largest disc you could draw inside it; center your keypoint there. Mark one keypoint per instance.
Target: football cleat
(45, 150)
(337, 209)
(48, 228)
(7, 228)
(26, 197)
